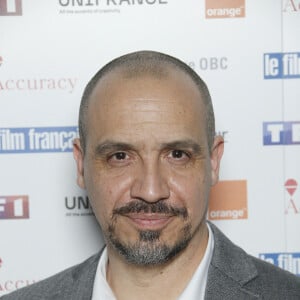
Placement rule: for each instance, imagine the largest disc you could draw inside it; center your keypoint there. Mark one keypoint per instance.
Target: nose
(150, 183)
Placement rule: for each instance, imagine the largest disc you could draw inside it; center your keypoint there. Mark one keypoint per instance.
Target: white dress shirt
(195, 290)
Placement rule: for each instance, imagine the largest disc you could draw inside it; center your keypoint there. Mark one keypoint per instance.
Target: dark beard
(148, 250)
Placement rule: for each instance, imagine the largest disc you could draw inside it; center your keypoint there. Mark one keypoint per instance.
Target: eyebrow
(184, 144)
(111, 146)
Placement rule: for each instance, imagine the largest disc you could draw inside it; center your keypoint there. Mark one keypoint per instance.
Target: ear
(215, 158)
(78, 155)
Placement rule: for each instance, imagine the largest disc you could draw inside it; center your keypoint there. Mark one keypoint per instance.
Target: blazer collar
(230, 270)
(81, 281)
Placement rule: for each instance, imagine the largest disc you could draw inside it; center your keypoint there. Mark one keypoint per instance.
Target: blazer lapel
(229, 272)
(79, 286)
(230, 269)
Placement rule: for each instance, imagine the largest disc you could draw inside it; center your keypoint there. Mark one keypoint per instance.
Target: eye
(119, 159)
(119, 156)
(179, 156)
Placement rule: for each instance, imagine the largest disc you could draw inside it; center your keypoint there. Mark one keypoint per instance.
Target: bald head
(146, 64)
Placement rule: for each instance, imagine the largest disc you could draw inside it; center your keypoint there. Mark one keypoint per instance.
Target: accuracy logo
(282, 65)
(287, 261)
(14, 207)
(281, 133)
(224, 9)
(291, 6)
(12, 285)
(10, 7)
(37, 140)
(228, 200)
(38, 84)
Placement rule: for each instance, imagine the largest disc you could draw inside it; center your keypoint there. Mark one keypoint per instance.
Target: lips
(149, 221)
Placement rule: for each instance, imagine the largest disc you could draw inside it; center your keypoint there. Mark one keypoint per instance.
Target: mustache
(157, 207)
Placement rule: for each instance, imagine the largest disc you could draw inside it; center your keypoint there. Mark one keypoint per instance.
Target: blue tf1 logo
(287, 261)
(281, 133)
(38, 139)
(282, 65)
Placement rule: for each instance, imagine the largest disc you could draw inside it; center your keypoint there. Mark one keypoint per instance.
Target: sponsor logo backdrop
(248, 52)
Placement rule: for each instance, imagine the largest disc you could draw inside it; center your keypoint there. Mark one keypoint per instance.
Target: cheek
(191, 191)
(106, 192)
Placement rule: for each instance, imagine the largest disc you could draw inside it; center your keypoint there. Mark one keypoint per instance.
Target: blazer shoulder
(60, 284)
(234, 274)
(274, 280)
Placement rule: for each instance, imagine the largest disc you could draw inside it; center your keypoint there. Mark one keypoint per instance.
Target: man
(148, 156)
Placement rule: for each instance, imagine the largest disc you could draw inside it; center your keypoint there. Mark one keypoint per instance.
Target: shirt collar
(195, 289)
(101, 289)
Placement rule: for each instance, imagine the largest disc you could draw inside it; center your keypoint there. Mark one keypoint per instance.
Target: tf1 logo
(281, 133)
(10, 7)
(14, 207)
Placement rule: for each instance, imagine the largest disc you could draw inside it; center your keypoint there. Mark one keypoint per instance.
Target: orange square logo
(217, 9)
(228, 200)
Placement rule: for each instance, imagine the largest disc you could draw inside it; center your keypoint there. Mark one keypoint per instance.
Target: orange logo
(224, 9)
(228, 200)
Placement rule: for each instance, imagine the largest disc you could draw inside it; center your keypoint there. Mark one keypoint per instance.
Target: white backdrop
(248, 52)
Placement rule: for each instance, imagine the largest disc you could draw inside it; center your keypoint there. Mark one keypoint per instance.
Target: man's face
(147, 168)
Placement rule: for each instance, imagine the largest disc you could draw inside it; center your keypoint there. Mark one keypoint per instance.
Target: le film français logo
(10, 7)
(289, 261)
(282, 65)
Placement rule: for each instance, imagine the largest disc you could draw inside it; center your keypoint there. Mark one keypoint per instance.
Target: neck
(130, 281)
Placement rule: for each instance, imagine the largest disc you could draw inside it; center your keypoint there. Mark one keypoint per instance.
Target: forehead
(164, 106)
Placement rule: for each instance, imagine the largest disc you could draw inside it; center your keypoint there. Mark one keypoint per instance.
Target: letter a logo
(291, 187)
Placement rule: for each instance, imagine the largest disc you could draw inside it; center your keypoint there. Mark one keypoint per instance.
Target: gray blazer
(232, 274)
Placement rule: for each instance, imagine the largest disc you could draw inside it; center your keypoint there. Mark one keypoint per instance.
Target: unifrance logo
(228, 200)
(282, 65)
(291, 187)
(10, 7)
(37, 140)
(14, 207)
(281, 133)
(78, 206)
(76, 7)
(286, 261)
(291, 6)
(83, 3)
(224, 9)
